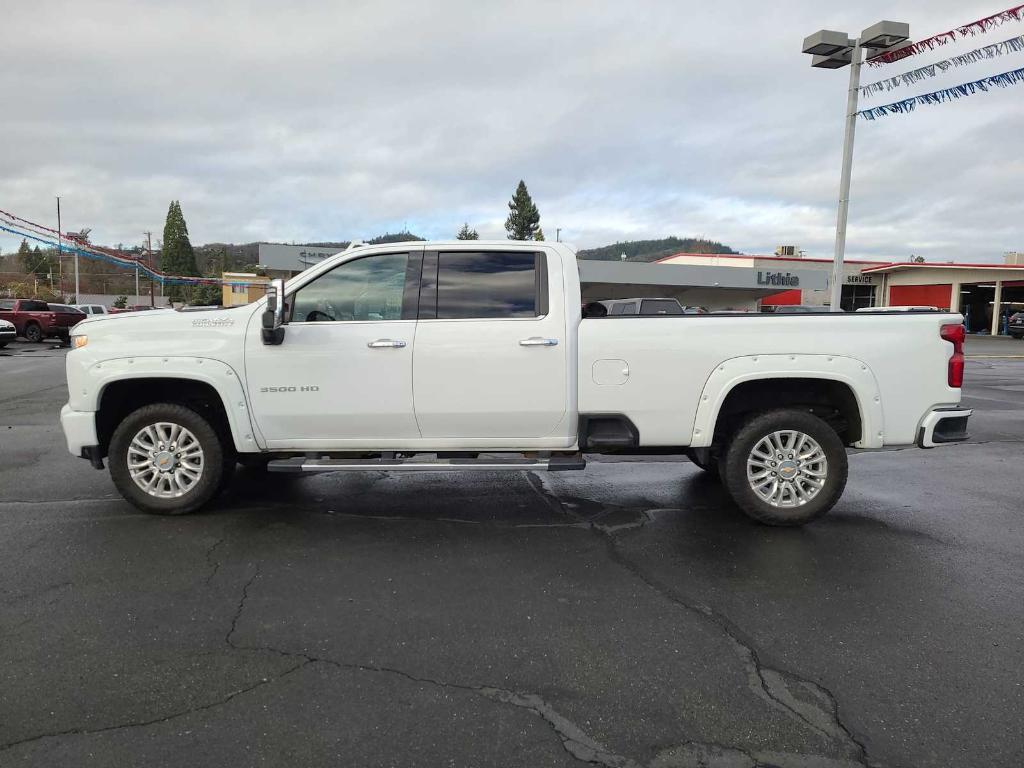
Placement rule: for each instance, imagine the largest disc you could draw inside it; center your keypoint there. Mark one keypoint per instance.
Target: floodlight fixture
(885, 34)
(825, 42)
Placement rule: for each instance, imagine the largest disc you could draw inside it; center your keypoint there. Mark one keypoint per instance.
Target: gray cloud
(314, 121)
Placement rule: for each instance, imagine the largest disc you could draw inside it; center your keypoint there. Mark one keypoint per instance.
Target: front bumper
(942, 426)
(79, 430)
(8, 334)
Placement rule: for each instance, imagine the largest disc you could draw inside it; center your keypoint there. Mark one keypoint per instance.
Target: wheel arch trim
(219, 376)
(730, 373)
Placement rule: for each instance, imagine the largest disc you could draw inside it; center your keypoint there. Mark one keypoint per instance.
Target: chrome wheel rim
(165, 460)
(787, 468)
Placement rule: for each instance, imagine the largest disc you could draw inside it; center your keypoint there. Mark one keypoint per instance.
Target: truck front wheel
(166, 459)
(785, 467)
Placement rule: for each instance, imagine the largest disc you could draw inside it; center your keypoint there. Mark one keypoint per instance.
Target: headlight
(77, 342)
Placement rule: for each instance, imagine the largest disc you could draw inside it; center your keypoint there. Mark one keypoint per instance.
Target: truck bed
(669, 374)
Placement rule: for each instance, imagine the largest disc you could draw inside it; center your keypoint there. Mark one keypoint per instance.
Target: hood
(166, 332)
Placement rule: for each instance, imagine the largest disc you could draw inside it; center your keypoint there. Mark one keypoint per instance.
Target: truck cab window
(489, 285)
(368, 289)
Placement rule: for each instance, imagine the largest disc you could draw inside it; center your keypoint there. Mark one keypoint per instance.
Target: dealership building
(985, 293)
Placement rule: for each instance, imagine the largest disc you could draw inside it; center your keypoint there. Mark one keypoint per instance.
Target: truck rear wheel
(166, 459)
(33, 332)
(785, 467)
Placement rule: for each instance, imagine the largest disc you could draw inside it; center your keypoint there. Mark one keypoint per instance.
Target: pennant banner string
(1013, 45)
(929, 43)
(1004, 80)
(40, 234)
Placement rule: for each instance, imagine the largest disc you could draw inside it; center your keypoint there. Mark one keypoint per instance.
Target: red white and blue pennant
(928, 71)
(1013, 45)
(1003, 80)
(970, 29)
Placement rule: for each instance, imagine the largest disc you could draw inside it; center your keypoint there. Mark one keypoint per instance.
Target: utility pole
(60, 253)
(149, 260)
(558, 234)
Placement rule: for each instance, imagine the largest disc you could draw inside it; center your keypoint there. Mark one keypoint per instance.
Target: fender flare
(730, 373)
(220, 376)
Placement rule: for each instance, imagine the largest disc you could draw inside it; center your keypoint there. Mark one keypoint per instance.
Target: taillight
(954, 334)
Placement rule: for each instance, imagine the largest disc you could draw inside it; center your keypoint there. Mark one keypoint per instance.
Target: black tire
(33, 333)
(3, 344)
(212, 474)
(761, 426)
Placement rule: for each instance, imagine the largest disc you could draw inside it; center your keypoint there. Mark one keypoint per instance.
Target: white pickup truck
(473, 355)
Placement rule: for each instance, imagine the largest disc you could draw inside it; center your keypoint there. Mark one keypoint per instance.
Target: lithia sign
(773, 279)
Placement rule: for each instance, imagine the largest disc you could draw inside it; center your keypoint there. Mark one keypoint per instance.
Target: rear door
(38, 311)
(491, 355)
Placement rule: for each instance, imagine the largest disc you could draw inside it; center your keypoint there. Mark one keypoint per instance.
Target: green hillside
(652, 250)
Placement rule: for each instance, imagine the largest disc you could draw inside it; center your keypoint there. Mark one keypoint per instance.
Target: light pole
(834, 50)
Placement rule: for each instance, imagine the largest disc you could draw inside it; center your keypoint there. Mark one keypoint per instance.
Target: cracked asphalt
(626, 615)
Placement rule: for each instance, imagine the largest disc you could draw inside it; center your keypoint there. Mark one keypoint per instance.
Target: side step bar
(306, 464)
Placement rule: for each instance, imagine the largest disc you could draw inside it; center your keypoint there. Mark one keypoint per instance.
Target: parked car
(93, 309)
(504, 364)
(649, 306)
(899, 309)
(7, 333)
(32, 319)
(67, 317)
(1016, 325)
(795, 309)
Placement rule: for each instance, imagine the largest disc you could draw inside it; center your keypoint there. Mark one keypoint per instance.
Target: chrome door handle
(537, 341)
(385, 344)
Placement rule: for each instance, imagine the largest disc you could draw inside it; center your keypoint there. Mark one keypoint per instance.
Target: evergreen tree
(177, 257)
(523, 218)
(25, 257)
(539, 234)
(467, 234)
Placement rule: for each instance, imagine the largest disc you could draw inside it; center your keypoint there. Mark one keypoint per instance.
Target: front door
(492, 352)
(343, 375)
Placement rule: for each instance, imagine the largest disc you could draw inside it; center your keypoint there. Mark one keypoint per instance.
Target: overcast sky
(301, 121)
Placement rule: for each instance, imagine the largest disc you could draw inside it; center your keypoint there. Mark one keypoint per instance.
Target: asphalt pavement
(627, 615)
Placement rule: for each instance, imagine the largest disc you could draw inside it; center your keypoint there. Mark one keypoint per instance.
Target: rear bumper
(942, 426)
(79, 430)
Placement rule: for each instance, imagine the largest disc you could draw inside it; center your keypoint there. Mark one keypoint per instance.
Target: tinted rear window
(486, 285)
(660, 307)
(7, 304)
(34, 306)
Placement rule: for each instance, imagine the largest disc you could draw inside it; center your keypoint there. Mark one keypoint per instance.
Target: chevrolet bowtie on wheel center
(473, 355)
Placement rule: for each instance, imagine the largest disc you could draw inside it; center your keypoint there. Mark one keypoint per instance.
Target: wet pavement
(626, 615)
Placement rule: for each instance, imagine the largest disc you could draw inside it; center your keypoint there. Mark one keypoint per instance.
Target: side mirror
(273, 317)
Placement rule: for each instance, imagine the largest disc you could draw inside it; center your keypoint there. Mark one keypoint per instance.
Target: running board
(304, 464)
